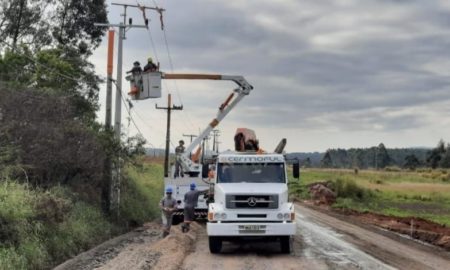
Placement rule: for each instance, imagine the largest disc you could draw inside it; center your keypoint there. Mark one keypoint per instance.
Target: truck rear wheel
(215, 244)
(285, 244)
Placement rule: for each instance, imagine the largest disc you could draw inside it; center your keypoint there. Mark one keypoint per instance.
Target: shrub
(393, 169)
(345, 188)
(40, 228)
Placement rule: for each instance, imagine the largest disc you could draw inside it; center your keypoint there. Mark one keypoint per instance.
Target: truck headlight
(216, 216)
(287, 216)
(280, 216)
(223, 216)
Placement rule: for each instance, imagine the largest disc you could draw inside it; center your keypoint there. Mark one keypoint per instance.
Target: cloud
(338, 66)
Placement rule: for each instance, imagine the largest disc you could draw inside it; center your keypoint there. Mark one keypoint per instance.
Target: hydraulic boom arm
(232, 100)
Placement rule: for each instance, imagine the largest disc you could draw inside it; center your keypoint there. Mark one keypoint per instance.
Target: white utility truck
(251, 199)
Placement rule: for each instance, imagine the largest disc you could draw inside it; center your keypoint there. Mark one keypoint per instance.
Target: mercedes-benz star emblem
(251, 201)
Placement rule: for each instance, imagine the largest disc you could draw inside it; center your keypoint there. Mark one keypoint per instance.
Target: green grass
(424, 193)
(141, 193)
(42, 228)
(39, 228)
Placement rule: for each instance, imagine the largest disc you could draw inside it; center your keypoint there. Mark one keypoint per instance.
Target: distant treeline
(377, 157)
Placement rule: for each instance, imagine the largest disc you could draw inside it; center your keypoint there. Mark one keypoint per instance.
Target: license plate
(252, 227)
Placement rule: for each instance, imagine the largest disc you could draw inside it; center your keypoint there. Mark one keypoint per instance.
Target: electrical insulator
(146, 22)
(130, 21)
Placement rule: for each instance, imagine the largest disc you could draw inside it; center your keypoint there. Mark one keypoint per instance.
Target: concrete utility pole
(169, 108)
(109, 70)
(107, 176)
(111, 184)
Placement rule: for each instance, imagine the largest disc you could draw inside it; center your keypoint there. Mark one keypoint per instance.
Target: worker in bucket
(136, 68)
(179, 150)
(150, 67)
(136, 80)
(168, 206)
(190, 202)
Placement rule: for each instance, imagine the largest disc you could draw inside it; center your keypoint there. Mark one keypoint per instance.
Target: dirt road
(322, 242)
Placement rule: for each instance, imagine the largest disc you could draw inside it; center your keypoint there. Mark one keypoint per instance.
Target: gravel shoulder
(143, 248)
(324, 240)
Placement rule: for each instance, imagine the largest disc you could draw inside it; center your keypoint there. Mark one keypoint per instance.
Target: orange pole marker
(109, 69)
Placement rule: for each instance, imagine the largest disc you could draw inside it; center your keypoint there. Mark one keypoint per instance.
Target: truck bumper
(250, 229)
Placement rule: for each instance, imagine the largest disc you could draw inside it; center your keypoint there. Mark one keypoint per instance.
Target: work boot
(165, 233)
(184, 227)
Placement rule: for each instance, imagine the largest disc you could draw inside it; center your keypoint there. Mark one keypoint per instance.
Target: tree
(57, 71)
(358, 159)
(435, 155)
(326, 161)
(21, 20)
(73, 24)
(411, 162)
(445, 158)
(53, 23)
(382, 157)
(307, 163)
(51, 143)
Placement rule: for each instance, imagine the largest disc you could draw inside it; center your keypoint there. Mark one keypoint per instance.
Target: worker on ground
(179, 150)
(168, 206)
(150, 67)
(190, 202)
(136, 68)
(211, 173)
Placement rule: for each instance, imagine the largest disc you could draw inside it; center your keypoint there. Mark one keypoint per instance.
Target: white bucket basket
(145, 85)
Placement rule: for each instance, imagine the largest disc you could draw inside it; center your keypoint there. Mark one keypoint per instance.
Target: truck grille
(252, 201)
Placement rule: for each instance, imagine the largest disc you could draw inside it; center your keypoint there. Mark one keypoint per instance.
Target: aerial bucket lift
(145, 85)
(148, 85)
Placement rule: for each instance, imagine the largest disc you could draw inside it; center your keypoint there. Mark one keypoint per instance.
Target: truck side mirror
(296, 170)
(205, 170)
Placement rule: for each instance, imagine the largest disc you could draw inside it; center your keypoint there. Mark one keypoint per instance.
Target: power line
(172, 69)
(129, 112)
(40, 64)
(169, 109)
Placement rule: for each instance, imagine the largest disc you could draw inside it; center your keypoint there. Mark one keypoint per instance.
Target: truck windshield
(250, 173)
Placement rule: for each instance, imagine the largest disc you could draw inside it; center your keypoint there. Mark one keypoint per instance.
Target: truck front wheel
(285, 244)
(215, 244)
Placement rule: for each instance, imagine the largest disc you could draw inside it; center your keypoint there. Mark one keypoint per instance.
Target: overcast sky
(326, 74)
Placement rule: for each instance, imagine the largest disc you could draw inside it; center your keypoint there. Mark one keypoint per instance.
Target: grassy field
(424, 193)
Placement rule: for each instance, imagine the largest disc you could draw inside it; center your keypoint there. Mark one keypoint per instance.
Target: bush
(345, 188)
(393, 169)
(40, 228)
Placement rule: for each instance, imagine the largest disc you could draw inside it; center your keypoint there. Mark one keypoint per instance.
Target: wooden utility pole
(205, 140)
(169, 109)
(190, 136)
(216, 134)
